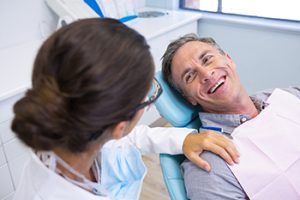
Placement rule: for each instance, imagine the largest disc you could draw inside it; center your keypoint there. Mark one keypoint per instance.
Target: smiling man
(206, 76)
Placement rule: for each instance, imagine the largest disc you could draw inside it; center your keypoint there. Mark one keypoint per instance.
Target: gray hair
(172, 49)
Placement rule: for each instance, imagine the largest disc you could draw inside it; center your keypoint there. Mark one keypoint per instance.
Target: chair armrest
(170, 166)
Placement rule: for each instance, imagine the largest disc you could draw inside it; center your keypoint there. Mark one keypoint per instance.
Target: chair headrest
(172, 106)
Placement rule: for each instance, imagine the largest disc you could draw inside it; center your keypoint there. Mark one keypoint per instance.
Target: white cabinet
(13, 154)
(20, 37)
(159, 32)
(9, 197)
(6, 185)
(6, 133)
(13, 83)
(14, 149)
(16, 166)
(2, 156)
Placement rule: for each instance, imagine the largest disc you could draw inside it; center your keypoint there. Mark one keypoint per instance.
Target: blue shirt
(228, 122)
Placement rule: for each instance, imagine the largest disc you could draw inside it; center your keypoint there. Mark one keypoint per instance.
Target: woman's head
(87, 76)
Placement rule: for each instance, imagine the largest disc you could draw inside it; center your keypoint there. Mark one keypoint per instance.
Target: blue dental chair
(179, 113)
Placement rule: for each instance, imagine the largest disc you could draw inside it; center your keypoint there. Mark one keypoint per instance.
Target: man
(205, 75)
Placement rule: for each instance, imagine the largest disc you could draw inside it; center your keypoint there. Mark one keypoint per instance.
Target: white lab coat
(40, 183)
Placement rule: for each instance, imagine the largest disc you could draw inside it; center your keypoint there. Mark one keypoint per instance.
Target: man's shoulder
(293, 90)
(264, 94)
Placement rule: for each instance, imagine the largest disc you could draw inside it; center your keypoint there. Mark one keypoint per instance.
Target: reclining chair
(179, 113)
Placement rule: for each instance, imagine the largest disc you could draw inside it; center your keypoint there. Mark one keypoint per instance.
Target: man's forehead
(192, 48)
(186, 54)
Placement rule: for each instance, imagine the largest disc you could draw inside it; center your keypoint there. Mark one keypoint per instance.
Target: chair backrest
(173, 107)
(179, 113)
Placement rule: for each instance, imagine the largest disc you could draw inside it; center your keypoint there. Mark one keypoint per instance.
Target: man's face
(206, 77)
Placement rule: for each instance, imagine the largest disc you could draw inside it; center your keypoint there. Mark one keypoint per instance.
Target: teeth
(213, 89)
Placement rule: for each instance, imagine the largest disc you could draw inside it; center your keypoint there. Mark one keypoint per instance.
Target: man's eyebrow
(189, 69)
(203, 54)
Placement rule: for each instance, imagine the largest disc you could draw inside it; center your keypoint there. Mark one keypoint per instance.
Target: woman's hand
(195, 143)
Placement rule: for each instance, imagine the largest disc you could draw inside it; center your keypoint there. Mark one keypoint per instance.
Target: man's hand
(194, 144)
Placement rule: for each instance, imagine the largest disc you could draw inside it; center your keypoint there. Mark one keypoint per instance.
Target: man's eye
(189, 77)
(207, 58)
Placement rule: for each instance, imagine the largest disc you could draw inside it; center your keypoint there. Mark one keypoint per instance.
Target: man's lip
(216, 85)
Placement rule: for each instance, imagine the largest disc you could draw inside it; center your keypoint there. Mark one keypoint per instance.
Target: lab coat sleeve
(154, 140)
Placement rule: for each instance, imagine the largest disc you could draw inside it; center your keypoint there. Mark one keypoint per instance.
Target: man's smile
(216, 86)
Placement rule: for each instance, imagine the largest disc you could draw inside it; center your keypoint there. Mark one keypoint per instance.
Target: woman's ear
(118, 130)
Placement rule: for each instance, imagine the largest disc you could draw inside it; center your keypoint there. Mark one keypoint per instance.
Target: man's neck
(241, 105)
(247, 107)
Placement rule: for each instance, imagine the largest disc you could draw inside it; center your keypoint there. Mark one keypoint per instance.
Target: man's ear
(230, 60)
(117, 131)
(228, 56)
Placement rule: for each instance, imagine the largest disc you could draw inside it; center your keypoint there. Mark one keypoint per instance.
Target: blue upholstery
(172, 106)
(179, 113)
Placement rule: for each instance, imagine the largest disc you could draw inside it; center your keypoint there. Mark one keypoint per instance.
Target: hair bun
(40, 117)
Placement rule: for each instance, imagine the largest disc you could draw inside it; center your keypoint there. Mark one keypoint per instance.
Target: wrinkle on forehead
(189, 55)
(191, 51)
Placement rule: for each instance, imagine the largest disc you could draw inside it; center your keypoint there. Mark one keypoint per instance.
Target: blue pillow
(173, 107)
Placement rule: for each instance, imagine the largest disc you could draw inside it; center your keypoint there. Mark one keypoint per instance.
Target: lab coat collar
(49, 185)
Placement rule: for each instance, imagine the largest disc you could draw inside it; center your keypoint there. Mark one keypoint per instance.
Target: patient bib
(269, 146)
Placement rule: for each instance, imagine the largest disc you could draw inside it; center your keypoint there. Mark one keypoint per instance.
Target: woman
(89, 83)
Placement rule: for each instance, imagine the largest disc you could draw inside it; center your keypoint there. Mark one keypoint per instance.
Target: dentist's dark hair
(87, 76)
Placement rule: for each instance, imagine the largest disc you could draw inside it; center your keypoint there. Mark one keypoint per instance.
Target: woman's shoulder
(37, 182)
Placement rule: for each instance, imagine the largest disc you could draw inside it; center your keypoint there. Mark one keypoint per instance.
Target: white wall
(22, 21)
(266, 57)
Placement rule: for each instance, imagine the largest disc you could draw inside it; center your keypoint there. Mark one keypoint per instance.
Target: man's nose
(206, 75)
